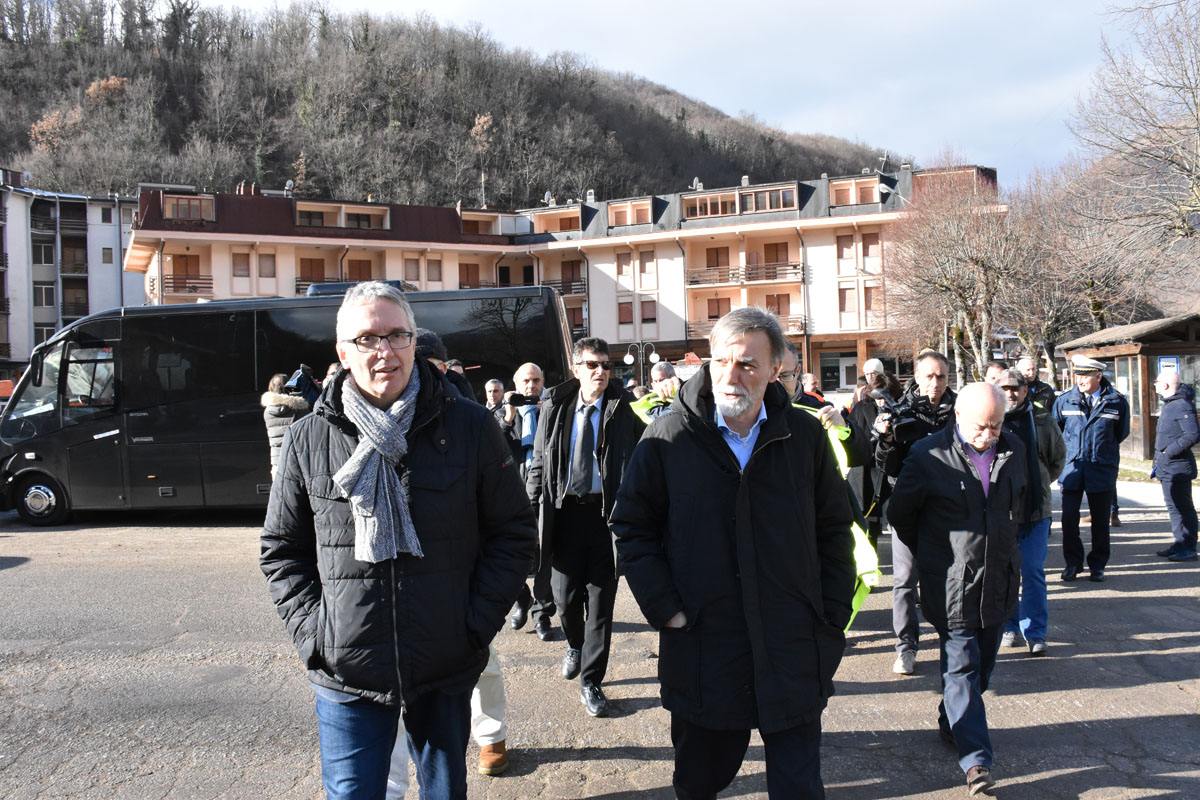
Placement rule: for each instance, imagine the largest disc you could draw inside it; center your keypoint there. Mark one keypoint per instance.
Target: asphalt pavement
(140, 658)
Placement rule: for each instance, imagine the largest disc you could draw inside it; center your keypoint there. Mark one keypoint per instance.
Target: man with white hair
(1174, 464)
(956, 505)
(395, 540)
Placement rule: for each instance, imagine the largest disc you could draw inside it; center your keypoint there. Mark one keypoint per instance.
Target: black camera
(516, 400)
(905, 425)
(303, 383)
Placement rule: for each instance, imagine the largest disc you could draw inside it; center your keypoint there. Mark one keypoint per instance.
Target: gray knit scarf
(383, 526)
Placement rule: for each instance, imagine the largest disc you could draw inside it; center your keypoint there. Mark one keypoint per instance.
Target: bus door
(91, 427)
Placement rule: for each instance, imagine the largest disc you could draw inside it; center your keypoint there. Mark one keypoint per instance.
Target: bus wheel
(41, 501)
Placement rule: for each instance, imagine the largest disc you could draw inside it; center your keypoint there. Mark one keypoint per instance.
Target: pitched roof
(1120, 334)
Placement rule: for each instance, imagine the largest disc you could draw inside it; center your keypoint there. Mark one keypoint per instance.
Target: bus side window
(89, 385)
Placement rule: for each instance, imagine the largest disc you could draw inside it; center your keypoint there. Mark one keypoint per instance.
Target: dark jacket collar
(431, 398)
(696, 400)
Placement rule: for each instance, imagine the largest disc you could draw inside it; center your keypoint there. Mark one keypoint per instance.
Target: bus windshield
(34, 407)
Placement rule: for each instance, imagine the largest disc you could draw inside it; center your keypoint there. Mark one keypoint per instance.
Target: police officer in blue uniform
(1094, 418)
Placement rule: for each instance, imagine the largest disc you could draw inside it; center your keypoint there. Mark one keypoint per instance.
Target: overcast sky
(993, 82)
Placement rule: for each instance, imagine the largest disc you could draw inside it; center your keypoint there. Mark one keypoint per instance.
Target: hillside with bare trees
(99, 95)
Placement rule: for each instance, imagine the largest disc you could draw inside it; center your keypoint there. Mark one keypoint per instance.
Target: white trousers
(487, 723)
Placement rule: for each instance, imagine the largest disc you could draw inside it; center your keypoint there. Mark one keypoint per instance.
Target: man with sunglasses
(585, 437)
(395, 541)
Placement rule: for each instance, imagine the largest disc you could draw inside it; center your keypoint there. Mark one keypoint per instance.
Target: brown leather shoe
(493, 759)
(979, 780)
(1114, 521)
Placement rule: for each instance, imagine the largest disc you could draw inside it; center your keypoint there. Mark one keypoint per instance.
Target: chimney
(591, 195)
(745, 180)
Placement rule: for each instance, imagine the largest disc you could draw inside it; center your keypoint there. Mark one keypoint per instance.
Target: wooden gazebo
(1137, 353)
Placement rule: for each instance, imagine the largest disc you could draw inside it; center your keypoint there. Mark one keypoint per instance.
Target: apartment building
(60, 260)
(658, 269)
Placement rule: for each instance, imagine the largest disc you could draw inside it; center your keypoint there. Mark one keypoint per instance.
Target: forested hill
(97, 95)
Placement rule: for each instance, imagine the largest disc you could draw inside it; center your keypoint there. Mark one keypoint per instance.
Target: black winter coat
(546, 481)
(966, 544)
(760, 560)
(408, 625)
(1177, 434)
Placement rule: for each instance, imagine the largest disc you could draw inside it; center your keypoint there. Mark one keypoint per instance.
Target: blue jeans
(357, 738)
(1030, 617)
(968, 657)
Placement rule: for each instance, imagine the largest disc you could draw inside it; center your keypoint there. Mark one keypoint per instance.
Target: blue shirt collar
(720, 419)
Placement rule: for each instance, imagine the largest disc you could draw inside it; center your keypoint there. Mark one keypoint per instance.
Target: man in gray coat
(956, 505)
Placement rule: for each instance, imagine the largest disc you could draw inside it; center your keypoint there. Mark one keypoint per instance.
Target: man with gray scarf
(396, 540)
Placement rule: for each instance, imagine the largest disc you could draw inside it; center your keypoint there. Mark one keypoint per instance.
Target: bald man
(1174, 464)
(956, 505)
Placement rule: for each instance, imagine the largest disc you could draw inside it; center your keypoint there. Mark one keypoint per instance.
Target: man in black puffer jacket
(956, 505)
(396, 540)
(1174, 463)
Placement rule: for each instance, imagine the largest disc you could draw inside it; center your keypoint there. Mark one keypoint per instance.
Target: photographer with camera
(925, 408)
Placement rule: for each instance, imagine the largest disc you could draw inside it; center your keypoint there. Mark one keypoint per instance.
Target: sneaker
(493, 759)
(1183, 555)
(1037, 647)
(979, 780)
(906, 663)
(1009, 639)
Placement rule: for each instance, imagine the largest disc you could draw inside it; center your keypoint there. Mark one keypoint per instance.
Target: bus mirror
(35, 364)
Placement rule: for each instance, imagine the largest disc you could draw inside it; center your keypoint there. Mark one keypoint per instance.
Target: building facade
(60, 259)
(658, 269)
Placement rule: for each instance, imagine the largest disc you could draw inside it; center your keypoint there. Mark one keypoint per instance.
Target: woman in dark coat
(279, 411)
(868, 482)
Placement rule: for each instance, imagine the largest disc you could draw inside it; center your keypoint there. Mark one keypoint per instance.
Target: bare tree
(952, 256)
(1141, 125)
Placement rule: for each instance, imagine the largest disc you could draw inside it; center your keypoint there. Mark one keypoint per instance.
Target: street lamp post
(645, 352)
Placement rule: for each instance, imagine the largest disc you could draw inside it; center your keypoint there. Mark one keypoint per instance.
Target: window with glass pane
(433, 269)
(623, 263)
(90, 381)
(43, 295)
(412, 270)
(266, 265)
(106, 215)
(625, 312)
(311, 218)
(358, 220)
(241, 265)
(106, 255)
(646, 261)
(649, 311)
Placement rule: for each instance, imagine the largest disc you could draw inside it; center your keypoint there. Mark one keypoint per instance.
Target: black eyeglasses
(369, 342)
(604, 365)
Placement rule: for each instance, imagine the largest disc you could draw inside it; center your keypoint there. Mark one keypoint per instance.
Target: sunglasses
(604, 365)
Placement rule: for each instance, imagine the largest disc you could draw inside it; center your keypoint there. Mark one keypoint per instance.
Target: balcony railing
(73, 268)
(188, 284)
(5, 303)
(74, 309)
(566, 287)
(792, 323)
(3, 260)
(3, 214)
(477, 284)
(789, 271)
(712, 275)
(5, 350)
(302, 285)
(700, 329)
(72, 224)
(42, 222)
(578, 332)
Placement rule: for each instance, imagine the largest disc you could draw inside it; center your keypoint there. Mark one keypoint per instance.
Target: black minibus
(158, 406)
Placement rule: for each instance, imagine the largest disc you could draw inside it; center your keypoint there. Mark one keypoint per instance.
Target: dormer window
(854, 191)
(191, 208)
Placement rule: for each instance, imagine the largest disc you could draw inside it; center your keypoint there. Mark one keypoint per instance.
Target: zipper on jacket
(396, 638)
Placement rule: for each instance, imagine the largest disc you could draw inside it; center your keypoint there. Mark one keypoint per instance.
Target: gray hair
(495, 382)
(361, 294)
(661, 371)
(742, 321)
